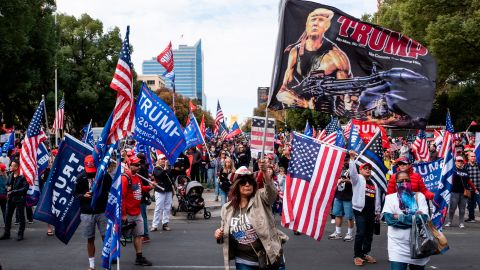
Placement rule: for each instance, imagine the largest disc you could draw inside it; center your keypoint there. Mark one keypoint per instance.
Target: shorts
(138, 230)
(88, 224)
(342, 209)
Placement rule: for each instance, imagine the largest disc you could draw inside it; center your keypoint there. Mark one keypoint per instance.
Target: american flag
(346, 131)
(123, 114)
(437, 139)
(58, 123)
(420, 147)
(222, 131)
(218, 118)
(28, 154)
(373, 154)
(310, 185)
(447, 143)
(258, 132)
(329, 134)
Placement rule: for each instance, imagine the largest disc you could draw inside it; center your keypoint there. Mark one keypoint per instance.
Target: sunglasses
(135, 165)
(244, 182)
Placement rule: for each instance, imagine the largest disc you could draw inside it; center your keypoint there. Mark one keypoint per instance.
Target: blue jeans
(223, 196)
(403, 266)
(210, 177)
(364, 235)
(473, 202)
(145, 221)
(217, 186)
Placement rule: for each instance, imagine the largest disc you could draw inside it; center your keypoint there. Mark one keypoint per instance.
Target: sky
(238, 38)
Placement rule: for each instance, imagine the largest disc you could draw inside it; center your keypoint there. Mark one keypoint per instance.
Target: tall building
(188, 71)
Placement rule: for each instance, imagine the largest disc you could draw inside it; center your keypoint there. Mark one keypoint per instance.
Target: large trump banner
(58, 205)
(332, 62)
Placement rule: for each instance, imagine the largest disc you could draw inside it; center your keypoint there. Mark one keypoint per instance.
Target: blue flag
(34, 191)
(111, 246)
(431, 173)
(208, 134)
(157, 126)
(355, 142)
(308, 130)
(101, 156)
(88, 135)
(340, 140)
(192, 133)
(10, 144)
(146, 150)
(58, 205)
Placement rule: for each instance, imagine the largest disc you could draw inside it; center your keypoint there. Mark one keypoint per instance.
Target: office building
(188, 62)
(154, 82)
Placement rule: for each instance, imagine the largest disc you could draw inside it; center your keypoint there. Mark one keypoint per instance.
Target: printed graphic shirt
(369, 208)
(132, 195)
(244, 236)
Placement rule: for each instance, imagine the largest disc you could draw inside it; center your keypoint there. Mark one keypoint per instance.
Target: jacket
(259, 213)
(416, 182)
(19, 189)
(162, 177)
(359, 185)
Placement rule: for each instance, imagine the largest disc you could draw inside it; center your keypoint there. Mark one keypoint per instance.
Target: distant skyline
(238, 38)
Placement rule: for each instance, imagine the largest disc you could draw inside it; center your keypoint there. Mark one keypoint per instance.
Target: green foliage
(27, 49)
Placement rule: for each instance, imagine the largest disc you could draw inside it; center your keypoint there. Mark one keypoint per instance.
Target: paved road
(190, 245)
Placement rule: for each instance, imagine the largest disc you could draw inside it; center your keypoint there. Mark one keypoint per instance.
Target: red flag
(192, 106)
(165, 58)
(368, 130)
(473, 123)
(202, 126)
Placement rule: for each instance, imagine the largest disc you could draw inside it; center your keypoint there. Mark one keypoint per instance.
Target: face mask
(4, 154)
(404, 187)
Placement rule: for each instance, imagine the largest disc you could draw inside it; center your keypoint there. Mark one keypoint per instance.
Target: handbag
(440, 239)
(376, 227)
(264, 262)
(467, 193)
(422, 241)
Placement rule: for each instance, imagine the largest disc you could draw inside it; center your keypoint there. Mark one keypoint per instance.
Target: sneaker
(461, 226)
(154, 229)
(30, 222)
(332, 221)
(143, 262)
(448, 224)
(165, 227)
(145, 239)
(335, 236)
(348, 237)
(470, 220)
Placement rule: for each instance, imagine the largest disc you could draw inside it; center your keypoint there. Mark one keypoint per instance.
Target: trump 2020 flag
(111, 246)
(332, 62)
(88, 135)
(10, 144)
(310, 185)
(192, 133)
(157, 126)
(58, 205)
(355, 142)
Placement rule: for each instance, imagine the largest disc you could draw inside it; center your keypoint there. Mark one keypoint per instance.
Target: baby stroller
(189, 195)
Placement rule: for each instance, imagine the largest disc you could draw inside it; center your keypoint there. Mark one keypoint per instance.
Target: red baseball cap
(134, 160)
(402, 160)
(89, 164)
(366, 164)
(3, 167)
(54, 152)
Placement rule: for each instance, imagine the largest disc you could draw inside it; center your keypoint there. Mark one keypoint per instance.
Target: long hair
(234, 194)
(231, 169)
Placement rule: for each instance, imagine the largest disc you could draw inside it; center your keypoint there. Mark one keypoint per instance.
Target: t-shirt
(344, 191)
(460, 178)
(369, 208)
(244, 236)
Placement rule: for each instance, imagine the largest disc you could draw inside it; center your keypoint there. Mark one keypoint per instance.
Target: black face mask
(91, 175)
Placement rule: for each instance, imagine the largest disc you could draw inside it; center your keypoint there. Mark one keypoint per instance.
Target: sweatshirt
(359, 185)
(132, 194)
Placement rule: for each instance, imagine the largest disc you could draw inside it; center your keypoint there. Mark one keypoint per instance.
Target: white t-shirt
(399, 239)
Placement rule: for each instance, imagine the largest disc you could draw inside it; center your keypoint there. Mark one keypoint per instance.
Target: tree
(27, 50)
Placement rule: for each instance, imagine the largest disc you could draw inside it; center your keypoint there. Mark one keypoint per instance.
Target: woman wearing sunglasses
(248, 231)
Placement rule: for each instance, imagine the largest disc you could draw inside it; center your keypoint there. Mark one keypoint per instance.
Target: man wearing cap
(163, 198)
(132, 189)
(92, 217)
(17, 187)
(460, 182)
(366, 204)
(474, 174)
(5, 159)
(403, 165)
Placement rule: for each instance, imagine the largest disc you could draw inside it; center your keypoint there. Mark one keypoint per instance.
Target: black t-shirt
(244, 236)
(369, 208)
(460, 178)
(344, 191)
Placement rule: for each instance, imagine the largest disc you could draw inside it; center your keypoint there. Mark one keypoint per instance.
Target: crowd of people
(250, 190)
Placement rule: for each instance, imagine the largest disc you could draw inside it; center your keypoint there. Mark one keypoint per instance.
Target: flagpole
(366, 147)
(56, 87)
(46, 121)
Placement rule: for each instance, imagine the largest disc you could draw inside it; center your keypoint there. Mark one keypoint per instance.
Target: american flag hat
(243, 171)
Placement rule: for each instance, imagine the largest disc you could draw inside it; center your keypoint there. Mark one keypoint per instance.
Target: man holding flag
(92, 217)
